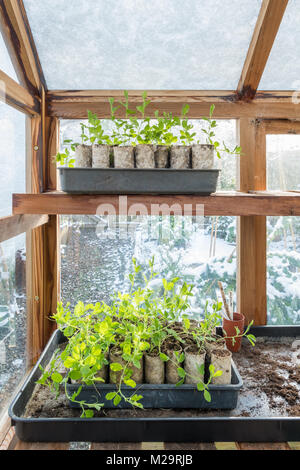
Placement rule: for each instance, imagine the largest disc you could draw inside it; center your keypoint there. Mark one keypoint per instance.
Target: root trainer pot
(229, 326)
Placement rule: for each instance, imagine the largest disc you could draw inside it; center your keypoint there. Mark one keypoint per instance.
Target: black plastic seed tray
(171, 429)
(165, 396)
(138, 181)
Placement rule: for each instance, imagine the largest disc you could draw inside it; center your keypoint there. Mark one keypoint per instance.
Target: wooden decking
(11, 442)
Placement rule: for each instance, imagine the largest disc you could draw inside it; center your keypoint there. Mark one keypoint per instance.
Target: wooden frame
(266, 105)
(16, 224)
(17, 96)
(258, 113)
(251, 239)
(267, 25)
(223, 204)
(19, 42)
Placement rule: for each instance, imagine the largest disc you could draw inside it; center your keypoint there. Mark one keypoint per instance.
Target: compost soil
(271, 388)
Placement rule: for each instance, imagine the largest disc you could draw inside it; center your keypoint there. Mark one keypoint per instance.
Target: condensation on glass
(282, 71)
(13, 319)
(283, 233)
(283, 162)
(12, 156)
(137, 44)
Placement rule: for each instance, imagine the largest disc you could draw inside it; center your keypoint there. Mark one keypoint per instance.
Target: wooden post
(42, 250)
(252, 247)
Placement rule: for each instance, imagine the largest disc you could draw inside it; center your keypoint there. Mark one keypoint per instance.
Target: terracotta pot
(229, 327)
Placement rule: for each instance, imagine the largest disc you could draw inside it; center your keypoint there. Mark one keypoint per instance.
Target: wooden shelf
(223, 203)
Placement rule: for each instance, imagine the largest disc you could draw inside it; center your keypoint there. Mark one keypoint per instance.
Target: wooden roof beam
(17, 96)
(20, 44)
(266, 28)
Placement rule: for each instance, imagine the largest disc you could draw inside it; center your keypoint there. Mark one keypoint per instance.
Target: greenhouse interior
(150, 226)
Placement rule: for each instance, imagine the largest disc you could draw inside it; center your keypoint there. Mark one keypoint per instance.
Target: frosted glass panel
(138, 44)
(283, 162)
(5, 62)
(12, 156)
(282, 71)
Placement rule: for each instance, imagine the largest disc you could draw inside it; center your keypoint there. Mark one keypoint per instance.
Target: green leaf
(89, 413)
(131, 383)
(181, 372)
(218, 373)
(85, 371)
(207, 396)
(56, 377)
(181, 382)
(164, 357)
(116, 367)
(181, 358)
(75, 375)
(117, 400)
(200, 387)
(110, 396)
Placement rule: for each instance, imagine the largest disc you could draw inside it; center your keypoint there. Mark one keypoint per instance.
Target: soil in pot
(180, 157)
(161, 156)
(83, 156)
(221, 360)
(194, 358)
(170, 346)
(214, 342)
(203, 156)
(100, 156)
(114, 377)
(154, 368)
(124, 157)
(144, 156)
(229, 327)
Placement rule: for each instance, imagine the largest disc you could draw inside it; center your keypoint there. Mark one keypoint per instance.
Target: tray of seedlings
(141, 369)
(137, 154)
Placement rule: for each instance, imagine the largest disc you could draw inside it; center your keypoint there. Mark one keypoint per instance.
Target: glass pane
(137, 44)
(5, 61)
(99, 250)
(12, 156)
(283, 162)
(225, 132)
(282, 71)
(13, 321)
(283, 270)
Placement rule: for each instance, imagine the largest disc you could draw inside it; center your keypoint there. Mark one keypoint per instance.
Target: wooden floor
(11, 442)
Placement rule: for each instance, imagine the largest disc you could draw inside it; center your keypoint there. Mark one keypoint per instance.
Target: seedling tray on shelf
(166, 396)
(138, 181)
(143, 429)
